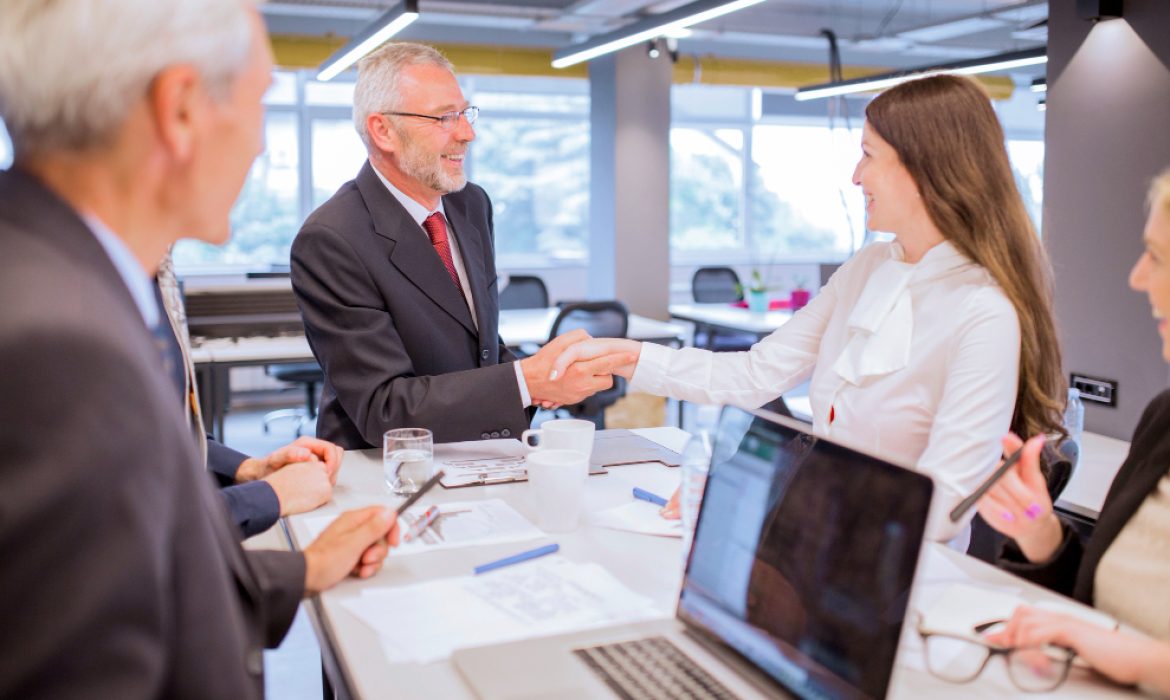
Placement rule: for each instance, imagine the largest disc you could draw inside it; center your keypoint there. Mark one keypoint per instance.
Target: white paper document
(458, 524)
(481, 462)
(638, 516)
(426, 622)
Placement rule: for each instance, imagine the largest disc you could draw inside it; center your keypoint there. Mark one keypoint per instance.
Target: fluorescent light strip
(649, 28)
(381, 29)
(1040, 86)
(990, 64)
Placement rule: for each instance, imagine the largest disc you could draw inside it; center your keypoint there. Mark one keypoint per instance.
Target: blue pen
(647, 496)
(517, 558)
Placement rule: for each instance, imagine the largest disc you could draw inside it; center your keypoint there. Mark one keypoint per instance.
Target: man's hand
(356, 543)
(303, 449)
(302, 486)
(578, 381)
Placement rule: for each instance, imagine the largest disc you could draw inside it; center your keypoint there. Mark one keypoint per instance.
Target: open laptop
(796, 585)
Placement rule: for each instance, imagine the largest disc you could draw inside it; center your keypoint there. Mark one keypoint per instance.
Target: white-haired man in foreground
(133, 124)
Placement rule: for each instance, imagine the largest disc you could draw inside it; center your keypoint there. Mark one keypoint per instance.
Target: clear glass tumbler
(408, 459)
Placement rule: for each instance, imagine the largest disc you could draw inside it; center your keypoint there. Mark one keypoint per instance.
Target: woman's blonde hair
(948, 137)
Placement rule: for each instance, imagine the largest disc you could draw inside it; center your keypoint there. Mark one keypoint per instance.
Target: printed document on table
(459, 524)
(638, 516)
(425, 622)
(481, 462)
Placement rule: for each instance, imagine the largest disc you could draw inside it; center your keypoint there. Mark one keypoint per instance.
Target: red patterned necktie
(436, 228)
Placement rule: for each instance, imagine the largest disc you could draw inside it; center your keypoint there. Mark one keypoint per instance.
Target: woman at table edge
(914, 347)
(1125, 566)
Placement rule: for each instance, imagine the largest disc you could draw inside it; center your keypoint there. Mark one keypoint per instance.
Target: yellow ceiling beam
(310, 52)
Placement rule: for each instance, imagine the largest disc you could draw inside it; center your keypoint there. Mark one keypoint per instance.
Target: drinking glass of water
(407, 459)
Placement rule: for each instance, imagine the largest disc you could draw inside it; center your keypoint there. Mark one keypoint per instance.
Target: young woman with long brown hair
(926, 349)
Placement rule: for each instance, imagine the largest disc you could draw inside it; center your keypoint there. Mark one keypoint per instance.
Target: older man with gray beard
(396, 276)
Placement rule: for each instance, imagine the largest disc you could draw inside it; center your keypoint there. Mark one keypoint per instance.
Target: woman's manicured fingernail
(1033, 511)
(1007, 515)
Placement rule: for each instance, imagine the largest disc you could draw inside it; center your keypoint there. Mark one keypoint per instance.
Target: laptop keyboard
(651, 669)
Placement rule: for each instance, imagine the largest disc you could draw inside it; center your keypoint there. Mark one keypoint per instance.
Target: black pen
(413, 498)
(965, 505)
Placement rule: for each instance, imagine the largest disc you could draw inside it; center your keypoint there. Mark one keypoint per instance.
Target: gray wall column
(630, 181)
(1107, 135)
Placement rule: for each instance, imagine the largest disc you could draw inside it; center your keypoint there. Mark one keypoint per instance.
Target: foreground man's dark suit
(393, 334)
(120, 574)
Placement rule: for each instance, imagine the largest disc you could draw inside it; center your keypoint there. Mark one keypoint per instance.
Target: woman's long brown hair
(949, 139)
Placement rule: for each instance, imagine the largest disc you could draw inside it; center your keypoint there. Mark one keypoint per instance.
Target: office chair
(308, 374)
(601, 319)
(714, 285)
(1057, 465)
(524, 292)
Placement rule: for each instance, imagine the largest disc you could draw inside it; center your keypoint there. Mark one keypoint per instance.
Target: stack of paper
(638, 516)
(425, 622)
(459, 524)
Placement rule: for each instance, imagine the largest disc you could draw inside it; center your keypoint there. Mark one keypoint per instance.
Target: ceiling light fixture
(646, 29)
(988, 64)
(374, 35)
(1039, 85)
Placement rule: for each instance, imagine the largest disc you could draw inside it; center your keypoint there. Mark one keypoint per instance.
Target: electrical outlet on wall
(1095, 389)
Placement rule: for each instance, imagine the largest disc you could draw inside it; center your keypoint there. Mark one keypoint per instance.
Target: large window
(760, 179)
(531, 155)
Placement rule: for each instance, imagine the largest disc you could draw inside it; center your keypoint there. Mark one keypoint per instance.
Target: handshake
(574, 366)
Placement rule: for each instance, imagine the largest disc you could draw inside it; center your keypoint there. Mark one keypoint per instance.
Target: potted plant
(756, 293)
(800, 295)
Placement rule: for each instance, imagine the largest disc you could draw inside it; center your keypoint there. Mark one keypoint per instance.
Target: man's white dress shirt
(915, 362)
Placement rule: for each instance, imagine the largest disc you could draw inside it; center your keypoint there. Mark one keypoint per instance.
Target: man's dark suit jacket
(254, 506)
(1073, 569)
(122, 576)
(393, 334)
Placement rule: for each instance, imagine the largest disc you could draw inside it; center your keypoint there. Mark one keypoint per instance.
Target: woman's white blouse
(915, 362)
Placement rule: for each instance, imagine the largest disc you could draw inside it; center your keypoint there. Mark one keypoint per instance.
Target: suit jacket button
(484, 354)
(495, 434)
(485, 436)
(255, 662)
(505, 433)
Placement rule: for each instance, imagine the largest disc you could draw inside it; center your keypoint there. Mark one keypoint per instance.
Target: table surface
(517, 327)
(1100, 459)
(650, 566)
(731, 317)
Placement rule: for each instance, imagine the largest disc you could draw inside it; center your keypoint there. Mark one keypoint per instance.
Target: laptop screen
(804, 555)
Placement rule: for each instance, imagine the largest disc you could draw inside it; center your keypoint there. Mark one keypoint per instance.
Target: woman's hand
(1125, 657)
(670, 511)
(599, 347)
(1019, 506)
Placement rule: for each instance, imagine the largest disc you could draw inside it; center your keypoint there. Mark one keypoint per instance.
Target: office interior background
(618, 178)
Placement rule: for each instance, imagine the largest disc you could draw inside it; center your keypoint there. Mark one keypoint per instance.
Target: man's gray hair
(378, 76)
(71, 70)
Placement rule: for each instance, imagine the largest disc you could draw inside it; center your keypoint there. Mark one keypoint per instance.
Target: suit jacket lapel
(471, 249)
(412, 253)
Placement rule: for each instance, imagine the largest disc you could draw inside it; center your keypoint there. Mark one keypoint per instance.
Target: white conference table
(650, 566)
(215, 358)
(728, 318)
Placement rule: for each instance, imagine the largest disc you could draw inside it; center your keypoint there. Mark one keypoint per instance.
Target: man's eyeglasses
(446, 121)
(959, 658)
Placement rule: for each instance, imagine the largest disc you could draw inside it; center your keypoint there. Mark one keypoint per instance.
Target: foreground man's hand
(356, 543)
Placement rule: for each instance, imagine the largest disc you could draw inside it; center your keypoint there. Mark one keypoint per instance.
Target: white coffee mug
(556, 481)
(570, 434)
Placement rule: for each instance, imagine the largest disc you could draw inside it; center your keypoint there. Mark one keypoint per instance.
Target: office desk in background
(650, 566)
(730, 319)
(215, 358)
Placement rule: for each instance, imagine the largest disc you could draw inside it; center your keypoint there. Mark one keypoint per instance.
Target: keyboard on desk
(651, 669)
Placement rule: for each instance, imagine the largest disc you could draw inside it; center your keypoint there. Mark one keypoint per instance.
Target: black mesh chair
(601, 319)
(524, 292)
(714, 285)
(308, 374)
(719, 285)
